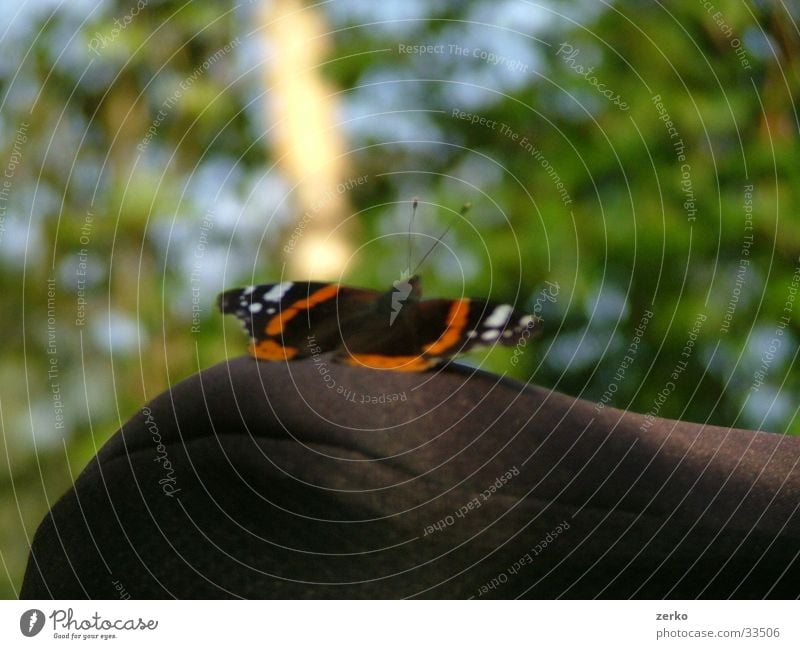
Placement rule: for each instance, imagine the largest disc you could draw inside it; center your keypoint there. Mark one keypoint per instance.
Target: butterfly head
(406, 289)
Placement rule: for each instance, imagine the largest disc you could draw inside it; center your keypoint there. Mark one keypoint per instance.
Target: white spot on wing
(525, 321)
(276, 293)
(499, 316)
(255, 307)
(490, 334)
(248, 290)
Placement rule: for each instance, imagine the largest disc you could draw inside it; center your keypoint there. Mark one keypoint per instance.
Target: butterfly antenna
(414, 203)
(464, 209)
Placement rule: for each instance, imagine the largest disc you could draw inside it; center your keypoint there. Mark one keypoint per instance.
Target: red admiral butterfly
(394, 330)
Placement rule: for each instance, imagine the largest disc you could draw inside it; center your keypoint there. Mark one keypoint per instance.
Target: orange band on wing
(456, 323)
(277, 324)
(396, 363)
(325, 293)
(269, 350)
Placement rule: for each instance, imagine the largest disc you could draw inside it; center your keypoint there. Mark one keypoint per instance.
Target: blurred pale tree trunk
(309, 148)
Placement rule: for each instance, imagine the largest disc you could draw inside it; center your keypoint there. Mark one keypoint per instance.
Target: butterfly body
(394, 330)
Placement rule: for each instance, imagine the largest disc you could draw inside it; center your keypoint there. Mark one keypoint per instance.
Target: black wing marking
(449, 327)
(290, 319)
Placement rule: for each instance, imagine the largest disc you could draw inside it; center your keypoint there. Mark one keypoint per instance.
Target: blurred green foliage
(106, 196)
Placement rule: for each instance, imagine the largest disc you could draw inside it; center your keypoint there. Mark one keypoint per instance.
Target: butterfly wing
(429, 330)
(450, 327)
(295, 319)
